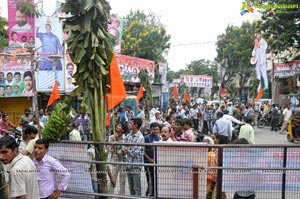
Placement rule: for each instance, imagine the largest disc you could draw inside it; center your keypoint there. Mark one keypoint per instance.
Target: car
(214, 102)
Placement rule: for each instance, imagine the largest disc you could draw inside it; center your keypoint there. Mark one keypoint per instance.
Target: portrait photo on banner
(51, 54)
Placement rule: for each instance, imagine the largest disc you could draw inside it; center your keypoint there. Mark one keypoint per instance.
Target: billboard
(20, 26)
(284, 70)
(70, 69)
(114, 27)
(16, 77)
(48, 31)
(200, 81)
(131, 66)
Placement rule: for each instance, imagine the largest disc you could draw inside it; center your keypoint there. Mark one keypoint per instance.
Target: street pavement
(266, 136)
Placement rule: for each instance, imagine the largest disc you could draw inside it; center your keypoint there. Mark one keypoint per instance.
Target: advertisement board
(16, 76)
(131, 66)
(284, 70)
(199, 81)
(50, 51)
(114, 27)
(20, 26)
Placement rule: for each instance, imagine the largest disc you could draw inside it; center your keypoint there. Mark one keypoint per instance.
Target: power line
(196, 43)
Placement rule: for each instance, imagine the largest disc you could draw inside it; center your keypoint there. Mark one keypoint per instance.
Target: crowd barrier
(181, 170)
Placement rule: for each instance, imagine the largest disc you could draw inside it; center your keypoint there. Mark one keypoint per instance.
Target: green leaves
(144, 36)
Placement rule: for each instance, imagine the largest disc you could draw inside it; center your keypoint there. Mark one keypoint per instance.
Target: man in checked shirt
(135, 154)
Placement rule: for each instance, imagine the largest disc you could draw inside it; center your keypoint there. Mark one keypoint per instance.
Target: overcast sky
(193, 25)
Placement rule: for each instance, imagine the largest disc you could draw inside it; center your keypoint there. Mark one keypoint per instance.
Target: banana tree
(90, 47)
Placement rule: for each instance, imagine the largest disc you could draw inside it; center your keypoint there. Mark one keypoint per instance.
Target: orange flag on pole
(260, 93)
(140, 93)
(186, 97)
(175, 90)
(54, 94)
(117, 89)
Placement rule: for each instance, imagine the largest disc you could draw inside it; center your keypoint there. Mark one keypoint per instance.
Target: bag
(244, 195)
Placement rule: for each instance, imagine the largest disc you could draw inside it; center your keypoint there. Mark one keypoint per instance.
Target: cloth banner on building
(199, 81)
(284, 70)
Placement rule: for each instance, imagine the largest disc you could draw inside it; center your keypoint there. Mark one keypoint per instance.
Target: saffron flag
(54, 94)
(175, 90)
(140, 93)
(117, 89)
(186, 97)
(107, 121)
(260, 93)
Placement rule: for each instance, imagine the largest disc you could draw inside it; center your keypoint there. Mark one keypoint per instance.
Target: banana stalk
(90, 47)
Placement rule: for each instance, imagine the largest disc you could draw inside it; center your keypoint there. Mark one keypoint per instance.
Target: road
(266, 136)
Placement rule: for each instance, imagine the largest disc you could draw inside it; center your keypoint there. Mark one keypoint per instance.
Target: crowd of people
(183, 122)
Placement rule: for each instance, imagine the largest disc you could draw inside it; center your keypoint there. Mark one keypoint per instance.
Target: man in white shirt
(287, 114)
(156, 118)
(74, 135)
(165, 134)
(22, 172)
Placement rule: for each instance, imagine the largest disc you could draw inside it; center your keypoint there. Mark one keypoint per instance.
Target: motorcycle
(16, 134)
(265, 120)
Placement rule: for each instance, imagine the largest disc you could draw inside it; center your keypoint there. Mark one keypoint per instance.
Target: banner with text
(199, 81)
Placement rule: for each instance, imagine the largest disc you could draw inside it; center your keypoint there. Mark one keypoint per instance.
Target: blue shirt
(149, 150)
(223, 127)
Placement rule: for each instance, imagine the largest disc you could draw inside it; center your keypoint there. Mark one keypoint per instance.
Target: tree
(144, 77)
(234, 49)
(3, 33)
(144, 36)
(282, 28)
(90, 47)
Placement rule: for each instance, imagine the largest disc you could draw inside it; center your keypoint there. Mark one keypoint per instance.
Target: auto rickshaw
(294, 126)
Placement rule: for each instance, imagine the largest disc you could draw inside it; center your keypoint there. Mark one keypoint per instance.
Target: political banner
(114, 27)
(131, 66)
(20, 26)
(284, 70)
(199, 81)
(16, 76)
(70, 69)
(50, 53)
